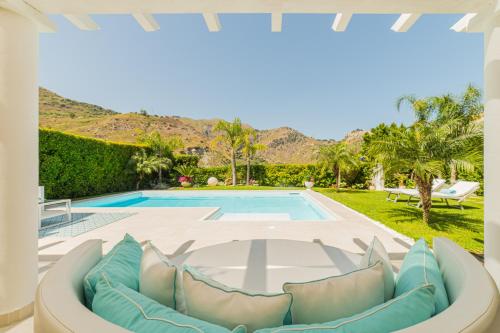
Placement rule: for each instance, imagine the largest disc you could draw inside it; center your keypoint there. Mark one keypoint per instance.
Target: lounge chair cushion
(131, 310)
(376, 252)
(157, 276)
(420, 268)
(337, 296)
(121, 264)
(448, 191)
(404, 311)
(214, 302)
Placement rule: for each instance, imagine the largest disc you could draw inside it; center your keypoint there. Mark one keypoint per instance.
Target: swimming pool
(228, 205)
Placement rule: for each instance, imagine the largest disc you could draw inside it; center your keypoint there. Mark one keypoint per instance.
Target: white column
(492, 148)
(18, 164)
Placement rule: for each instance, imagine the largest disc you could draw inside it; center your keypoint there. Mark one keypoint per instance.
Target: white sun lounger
(461, 191)
(437, 184)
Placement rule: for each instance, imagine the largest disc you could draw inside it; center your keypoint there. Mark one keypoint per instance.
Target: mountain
(284, 144)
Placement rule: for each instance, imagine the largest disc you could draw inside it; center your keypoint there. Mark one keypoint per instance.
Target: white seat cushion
(214, 302)
(157, 276)
(336, 296)
(376, 252)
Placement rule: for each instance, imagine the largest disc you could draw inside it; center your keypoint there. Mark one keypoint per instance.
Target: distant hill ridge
(284, 144)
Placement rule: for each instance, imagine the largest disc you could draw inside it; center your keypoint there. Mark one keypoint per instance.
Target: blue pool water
(287, 206)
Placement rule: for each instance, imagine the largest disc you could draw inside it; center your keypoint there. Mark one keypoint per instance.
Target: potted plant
(309, 183)
(186, 175)
(185, 181)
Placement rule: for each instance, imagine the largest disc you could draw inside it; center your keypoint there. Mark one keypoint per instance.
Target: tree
(230, 136)
(338, 158)
(161, 148)
(249, 148)
(427, 147)
(144, 165)
(382, 132)
(459, 112)
(456, 112)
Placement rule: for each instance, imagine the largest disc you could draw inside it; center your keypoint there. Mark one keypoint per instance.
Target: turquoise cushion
(122, 264)
(404, 311)
(420, 267)
(131, 310)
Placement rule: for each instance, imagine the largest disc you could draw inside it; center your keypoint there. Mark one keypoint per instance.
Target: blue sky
(307, 77)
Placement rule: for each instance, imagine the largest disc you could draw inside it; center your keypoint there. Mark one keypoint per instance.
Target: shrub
(183, 159)
(73, 166)
(271, 174)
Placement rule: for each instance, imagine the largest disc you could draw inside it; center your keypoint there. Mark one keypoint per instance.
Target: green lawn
(464, 227)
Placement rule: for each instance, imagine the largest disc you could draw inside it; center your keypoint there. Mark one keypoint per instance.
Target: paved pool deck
(178, 230)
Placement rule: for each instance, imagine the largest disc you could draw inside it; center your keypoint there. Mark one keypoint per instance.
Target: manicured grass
(464, 227)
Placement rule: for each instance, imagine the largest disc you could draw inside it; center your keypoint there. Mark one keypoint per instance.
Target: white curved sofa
(59, 304)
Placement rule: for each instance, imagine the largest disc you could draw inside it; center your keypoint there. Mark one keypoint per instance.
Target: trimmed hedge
(271, 174)
(72, 166)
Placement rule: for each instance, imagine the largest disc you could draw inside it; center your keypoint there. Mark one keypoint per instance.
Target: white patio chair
(437, 184)
(43, 204)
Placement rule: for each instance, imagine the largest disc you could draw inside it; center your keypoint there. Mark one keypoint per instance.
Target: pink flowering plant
(186, 174)
(185, 179)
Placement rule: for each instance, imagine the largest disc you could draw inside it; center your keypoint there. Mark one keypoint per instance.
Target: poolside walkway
(177, 230)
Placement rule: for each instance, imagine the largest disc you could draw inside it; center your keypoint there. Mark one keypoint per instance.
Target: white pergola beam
(146, 21)
(212, 22)
(258, 6)
(276, 22)
(472, 22)
(341, 21)
(44, 24)
(82, 21)
(463, 23)
(405, 22)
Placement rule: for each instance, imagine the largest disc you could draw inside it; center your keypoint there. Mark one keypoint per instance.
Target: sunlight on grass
(464, 227)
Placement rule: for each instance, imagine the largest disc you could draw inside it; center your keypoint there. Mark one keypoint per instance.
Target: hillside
(284, 144)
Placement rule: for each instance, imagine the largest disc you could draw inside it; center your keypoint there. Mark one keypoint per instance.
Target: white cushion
(336, 296)
(376, 252)
(214, 302)
(157, 276)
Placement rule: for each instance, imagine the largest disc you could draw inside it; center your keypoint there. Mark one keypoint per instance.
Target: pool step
(254, 217)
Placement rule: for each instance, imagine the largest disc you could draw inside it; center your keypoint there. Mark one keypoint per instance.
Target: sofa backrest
(59, 299)
(59, 303)
(471, 290)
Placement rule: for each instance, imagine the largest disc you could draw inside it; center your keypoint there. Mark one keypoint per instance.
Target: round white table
(264, 265)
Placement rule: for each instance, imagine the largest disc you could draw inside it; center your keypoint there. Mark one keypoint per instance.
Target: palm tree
(458, 113)
(250, 148)
(428, 146)
(144, 165)
(230, 134)
(161, 163)
(162, 147)
(338, 158)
